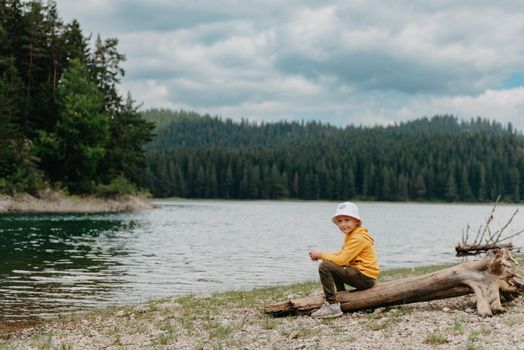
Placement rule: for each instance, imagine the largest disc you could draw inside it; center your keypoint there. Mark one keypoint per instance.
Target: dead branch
(488, 221)
(485, 238)
(497, 236)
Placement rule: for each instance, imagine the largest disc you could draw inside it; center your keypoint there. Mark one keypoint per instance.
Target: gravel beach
(234, 320)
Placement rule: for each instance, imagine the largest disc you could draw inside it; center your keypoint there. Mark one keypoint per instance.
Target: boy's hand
(315, 255)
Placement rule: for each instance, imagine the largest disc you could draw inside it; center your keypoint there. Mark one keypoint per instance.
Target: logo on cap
(342, 206)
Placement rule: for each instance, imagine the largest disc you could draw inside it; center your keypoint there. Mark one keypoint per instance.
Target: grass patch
(337, 330)
(513, 321)
(170, 335)
(380, 325)
(305, 332)
(435, 338)
(270, 323)
(458, 326)
(383, 320)
(475, 335)
(472, 346)
(6, 346)
(220, 332)
(400, 310)
(43, 342)
(395, 274)
(65, 346)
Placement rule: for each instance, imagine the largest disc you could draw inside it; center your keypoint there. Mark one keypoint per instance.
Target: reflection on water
(59, 263)
(51, 264)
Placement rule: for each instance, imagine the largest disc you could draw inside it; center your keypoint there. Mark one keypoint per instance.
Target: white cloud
(368, 62)
(502, 105)
(147, 90)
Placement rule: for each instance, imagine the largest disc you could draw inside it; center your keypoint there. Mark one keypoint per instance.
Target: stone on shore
(49, 201)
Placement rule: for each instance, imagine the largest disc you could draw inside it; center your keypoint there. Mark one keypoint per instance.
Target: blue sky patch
(515, 80)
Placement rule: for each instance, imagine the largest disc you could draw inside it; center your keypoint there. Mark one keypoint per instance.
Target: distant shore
(49, 201)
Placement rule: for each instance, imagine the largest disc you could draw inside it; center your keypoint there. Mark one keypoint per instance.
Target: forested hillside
(427, 159)
(63, 122)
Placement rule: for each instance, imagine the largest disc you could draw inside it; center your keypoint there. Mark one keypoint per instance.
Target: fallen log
(487, 278)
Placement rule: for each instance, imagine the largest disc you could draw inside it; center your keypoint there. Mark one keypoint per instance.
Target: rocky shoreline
(48, 201)
(234, 320)
(217, 322)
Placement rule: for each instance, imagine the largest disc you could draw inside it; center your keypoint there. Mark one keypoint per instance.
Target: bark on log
(487, 278)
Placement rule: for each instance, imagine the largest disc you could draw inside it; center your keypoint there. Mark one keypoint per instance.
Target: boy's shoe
(328, 311)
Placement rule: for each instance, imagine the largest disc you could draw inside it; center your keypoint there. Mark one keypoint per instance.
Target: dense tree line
(437, 158)
(62, 120)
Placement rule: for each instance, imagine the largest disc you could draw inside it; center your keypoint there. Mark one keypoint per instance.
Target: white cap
(346, 209)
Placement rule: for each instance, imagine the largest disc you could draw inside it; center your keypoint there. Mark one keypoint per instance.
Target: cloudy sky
(344, 62)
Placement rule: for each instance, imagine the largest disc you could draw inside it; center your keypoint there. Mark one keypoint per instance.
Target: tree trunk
(487, 278)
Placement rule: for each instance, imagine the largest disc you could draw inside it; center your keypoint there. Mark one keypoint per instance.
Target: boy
(356, 264)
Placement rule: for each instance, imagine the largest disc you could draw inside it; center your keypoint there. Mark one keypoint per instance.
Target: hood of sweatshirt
(362, 232)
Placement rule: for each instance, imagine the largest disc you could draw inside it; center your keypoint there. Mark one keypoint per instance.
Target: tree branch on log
(488, 278)
(483, 242)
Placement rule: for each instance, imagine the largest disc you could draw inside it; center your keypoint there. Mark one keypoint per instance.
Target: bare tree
(486, 238)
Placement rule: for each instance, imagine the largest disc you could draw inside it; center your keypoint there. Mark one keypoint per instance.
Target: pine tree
(128, 133)
(7, 126)
(515, 179)
(465, 188)
(420, 186)
(403, 187)
(451, 194)
(228, 182)
(107, 72)
(254, 182)
(11, 92)
(351, 183)
(82, 129)
(76, 45)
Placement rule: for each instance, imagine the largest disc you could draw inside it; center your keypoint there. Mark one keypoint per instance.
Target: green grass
(477, 334)
(435, 338)
(410, 272)
(169, 336)
(471, 346)
(6, 346)
(379, 325)
(43, 342)
(270, 323)
(458, 326)
(513, 321)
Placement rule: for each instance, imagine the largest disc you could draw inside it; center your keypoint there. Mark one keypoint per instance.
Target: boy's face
(346, 224)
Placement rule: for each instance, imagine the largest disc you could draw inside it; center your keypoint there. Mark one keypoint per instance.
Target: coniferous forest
(63, 122)
(439, 158)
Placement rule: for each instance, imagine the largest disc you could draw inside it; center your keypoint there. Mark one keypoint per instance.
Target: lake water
(51, 264)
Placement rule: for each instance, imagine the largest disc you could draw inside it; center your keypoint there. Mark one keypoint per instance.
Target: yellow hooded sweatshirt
(357, 251)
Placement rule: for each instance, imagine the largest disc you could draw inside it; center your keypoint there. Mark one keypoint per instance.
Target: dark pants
(332, 275)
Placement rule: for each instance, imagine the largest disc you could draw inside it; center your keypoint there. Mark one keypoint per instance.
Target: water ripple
(52, 264)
